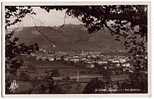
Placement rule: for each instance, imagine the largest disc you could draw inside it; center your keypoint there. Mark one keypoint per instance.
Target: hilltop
(69, 37)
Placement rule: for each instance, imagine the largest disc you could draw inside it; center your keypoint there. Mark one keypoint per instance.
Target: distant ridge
(69, 37)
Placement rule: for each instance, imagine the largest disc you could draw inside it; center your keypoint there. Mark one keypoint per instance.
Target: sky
(53, 18)
(43, 18)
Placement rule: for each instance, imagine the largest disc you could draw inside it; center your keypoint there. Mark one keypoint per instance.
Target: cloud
(43, 18)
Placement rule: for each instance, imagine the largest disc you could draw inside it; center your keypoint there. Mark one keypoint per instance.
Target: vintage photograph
(76, 49)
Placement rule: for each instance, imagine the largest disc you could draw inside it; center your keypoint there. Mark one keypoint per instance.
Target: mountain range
(69, 37)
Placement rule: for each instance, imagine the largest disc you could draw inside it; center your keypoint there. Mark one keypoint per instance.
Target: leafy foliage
(15, 14)
(94, 85)
(13, 51)
(127, 23)
(46, 85)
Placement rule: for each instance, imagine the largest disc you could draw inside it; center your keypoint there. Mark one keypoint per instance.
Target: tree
(94, 86)
(13, 61)
(13, 48)
(46, 85)
(127, 23)
(17, 13)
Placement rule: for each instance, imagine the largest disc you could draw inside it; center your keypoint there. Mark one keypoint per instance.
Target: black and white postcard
(75, 48)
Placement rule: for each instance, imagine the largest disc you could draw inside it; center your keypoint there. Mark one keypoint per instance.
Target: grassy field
(79, 76)
(71, 78)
